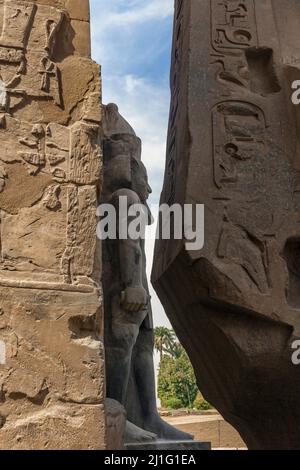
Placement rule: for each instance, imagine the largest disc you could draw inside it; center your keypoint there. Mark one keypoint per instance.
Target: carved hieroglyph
(51, 379)
(233, 145)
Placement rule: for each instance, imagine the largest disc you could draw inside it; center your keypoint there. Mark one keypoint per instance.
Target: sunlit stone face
(2, 353)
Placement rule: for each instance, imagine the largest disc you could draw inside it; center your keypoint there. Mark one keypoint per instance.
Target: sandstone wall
(52, 385)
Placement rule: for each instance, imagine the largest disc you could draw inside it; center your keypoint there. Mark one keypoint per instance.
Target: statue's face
(140, 183)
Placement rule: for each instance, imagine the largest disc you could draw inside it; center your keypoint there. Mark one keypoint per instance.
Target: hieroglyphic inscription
(50, 280)
(72, 159)
(26, 67)
(66, 158)
(239, 152)
(233, 34)
(238, 140)
(233, 25)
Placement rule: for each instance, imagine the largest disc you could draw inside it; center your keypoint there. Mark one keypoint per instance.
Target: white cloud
(121, 28)
(141, 13)
(127, 41)
(129, 13)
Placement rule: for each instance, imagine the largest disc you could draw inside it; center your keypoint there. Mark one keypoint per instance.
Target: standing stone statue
(52, 367)
(233, 145)
(129, 335)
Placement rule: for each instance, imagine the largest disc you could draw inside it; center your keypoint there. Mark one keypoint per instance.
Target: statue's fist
(134, 299)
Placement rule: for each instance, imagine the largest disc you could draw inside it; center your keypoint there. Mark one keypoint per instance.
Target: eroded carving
(22, 56)
(236, 51)
(36, 158)
(291, 254)
(238, 139)
(64, 157)
(233, 24)
(238, 245)
(17, 22)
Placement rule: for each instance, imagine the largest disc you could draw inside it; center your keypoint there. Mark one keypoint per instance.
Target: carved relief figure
(240, 246)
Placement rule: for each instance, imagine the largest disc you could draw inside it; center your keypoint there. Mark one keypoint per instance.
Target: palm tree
(164, 340)
(175, 349)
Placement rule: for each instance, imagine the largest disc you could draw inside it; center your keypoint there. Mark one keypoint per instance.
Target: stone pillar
(52, 385)
(234, 145)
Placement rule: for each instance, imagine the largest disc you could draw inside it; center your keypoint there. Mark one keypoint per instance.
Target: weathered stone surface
(115, 424)
(234, 146)
(52, 387)
(213, 427)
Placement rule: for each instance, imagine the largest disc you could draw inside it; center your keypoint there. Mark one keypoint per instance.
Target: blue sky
(131, 39)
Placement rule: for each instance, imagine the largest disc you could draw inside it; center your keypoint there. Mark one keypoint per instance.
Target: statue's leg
(123, 333)
(144, 375)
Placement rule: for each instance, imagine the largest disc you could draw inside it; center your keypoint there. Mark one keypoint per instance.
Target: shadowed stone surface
(233, 145)
(52, 373)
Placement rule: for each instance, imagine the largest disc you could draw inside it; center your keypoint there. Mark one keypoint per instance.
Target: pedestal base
(169, 445)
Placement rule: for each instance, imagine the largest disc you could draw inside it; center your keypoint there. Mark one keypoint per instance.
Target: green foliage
(176, 379)
(200, 403)
(173, 404)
